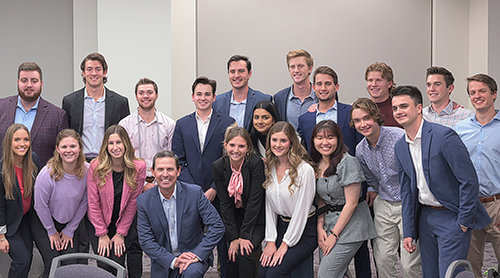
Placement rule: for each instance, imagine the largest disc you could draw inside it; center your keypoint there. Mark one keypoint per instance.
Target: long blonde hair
(296, 154)
(8, 171)
(105, 161)
(55, 163)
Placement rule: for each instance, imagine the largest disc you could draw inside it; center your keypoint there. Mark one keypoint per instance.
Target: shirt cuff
(3, 229)
(173, 263)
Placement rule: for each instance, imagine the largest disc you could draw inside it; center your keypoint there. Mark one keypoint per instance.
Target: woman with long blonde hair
(18, 169)
(115, 179)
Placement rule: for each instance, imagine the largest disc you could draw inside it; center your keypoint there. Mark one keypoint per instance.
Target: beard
(29, 98)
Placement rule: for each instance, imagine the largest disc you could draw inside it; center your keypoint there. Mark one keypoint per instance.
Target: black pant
(21, 249)
(245, 266)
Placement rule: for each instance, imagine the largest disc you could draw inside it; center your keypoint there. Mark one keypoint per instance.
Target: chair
(467, 273)
(82, 270)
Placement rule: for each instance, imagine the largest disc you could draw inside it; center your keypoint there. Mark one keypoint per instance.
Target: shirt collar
(232, 101)
(86, 95)
(448, 110)
(496, 118)
(208, 118)
(156, 119)
(173, 197)
(334, 107)
(20, 104)
(291, 95)
(418, 136)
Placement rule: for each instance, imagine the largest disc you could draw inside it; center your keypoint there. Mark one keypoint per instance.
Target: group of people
(293, 171)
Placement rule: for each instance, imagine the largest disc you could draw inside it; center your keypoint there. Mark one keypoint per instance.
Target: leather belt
(490, 198)
(434, 207)
(150, 179)
(287, 219)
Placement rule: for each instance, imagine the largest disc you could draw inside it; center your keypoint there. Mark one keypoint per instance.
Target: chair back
(82, 270)
(456, 265)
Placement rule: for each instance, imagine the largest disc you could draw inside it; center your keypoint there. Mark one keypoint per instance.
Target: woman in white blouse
(290, 215)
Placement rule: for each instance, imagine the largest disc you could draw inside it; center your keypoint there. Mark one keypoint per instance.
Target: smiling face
(377, 86)
(262, 120)
(324, 87)
(280, 144)
(116, 148)
(20, 143)
(437, 92)
(236, 149)
(203, 97)
(364, 123)
(94, 74)
(405, 112)
(299, 71)
(325, 143)
(29, 85)
(239, 74)
(146, 96)
(166, 173)
(481, 96)
(69, 150)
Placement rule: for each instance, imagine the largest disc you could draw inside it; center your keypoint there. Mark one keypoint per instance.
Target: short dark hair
(448, 76)
(95, 56)
(144, 81)
(165, 153)
(408, 90)
(326, 70)
(29, 66)
(205, 81)
(236, 58)
(483, 78)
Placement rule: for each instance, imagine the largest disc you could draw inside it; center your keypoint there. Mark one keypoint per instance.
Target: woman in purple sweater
(60, 199)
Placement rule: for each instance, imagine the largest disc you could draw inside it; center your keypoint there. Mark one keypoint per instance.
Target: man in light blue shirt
(480, 134)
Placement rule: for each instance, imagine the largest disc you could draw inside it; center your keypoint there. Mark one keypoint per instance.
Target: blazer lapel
(39, 118)
(249, 107)
(426, 143)
(180, 202)
(156, 201)
(193, 129)
(108, 104)
(214, 122)
(11, 111)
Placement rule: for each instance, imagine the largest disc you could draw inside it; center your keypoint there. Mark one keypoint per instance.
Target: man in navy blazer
(42, 118)
(239, 102)
(169, 223)
(439, 187)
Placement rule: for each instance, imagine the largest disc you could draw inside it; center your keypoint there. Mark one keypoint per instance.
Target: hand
(148, 186)
(4, 246)
(118, 242)
(456, 105)
(312, 108)
(246, 246)
(331, 240)
(65, 240)
(322, 238)
(55, 242)
(234, 246)
(104, 246)
(184, 260)
(370, 197)
(409, 246)
(267, 254)
(210, 194)
(278, 256)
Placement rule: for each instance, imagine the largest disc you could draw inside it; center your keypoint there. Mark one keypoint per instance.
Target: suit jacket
(11, 211)
(281, 101)
(252, 172)
(222, 104)
(196, 165)
(449, 173)
(49, 121)
(117, 108)
(193, 209)
(307, 122)
(101, 200)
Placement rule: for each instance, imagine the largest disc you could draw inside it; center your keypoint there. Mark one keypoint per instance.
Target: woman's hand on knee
(267, 254)
(278, 256)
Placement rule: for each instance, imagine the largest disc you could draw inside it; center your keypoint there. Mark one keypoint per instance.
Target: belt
(150, 179)
(490, 198)
(434, 207)
(287, 219)
(327, 208)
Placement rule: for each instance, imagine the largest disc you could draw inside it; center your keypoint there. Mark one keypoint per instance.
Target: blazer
(101, 200)
(196, 165)
(193, 209)
(49, 121)
(11, 211)
(281, 101)
(449, 173)
(222, 104)
(252, 198)
(307, 122)
(116, 109)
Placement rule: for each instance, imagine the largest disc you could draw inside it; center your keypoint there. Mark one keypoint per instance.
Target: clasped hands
(60, 241)
(184, 260)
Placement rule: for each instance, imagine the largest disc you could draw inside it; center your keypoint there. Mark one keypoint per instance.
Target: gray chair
(84, 271)
(467, 273)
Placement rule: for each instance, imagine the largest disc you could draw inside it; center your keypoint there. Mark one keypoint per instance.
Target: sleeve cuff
(173, 263)
(3, 229)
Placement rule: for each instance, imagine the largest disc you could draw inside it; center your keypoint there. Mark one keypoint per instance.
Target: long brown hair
(55, 163)
(8, 171)
(105, 161)
(329, 127)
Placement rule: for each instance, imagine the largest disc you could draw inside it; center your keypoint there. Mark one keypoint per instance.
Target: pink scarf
(235, 186)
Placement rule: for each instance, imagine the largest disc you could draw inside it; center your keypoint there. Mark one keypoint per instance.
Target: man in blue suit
(169, 223)
(239, 102)
(439, 186)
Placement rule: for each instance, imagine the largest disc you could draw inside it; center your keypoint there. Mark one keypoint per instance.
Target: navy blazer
(449, 173)
(222, 104)
(196, 166)
(193, 209)
(307, 122)
(49, 121)
(116, 109)
(281, 101)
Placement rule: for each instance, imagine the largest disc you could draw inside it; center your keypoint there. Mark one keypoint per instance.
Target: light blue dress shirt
(170, 210)
(93, 124)
(295, 108)
(25, 117)
(237, 111)
(330, 114)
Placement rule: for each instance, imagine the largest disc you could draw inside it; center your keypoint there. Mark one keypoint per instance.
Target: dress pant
(21, 249)
(246, 266)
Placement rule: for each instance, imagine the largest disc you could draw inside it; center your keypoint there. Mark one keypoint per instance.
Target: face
(236, 149)
(239, 74)
(146, 96)
(166, 173)
(262, 120)
(364, 123)
(325, 143)
(116, 149)
(68, 149)
(377, 86)
(20, 143)
(280, 144)
(404, 110)
(299, 71)
(437, 92)
(94, 73)
(324, 87)
(481, 97)
(29, 85)
(203, 97)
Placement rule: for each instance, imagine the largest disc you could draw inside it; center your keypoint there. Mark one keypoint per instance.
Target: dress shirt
(295, 107)
(149, 138)
(484, 149)
(425, 195)
(297, 206)
(25, 117)
(379, 164)
(330, 114)
(170, 210)
(203, 128)
(237, 111)
(447, 117)
(93, 124)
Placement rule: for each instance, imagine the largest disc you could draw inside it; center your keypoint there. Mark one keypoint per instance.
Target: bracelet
(334, 234)
(3, 239)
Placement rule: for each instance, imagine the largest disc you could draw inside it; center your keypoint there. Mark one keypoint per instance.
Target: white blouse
(296, 206)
